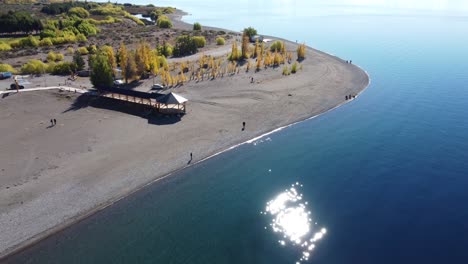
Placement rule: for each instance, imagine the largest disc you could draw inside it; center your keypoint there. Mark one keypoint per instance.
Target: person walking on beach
(191, 156)
(243, 126)
(51, 122)
(55, 121)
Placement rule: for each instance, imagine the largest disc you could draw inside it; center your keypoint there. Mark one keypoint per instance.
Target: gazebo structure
(167, 104)
(171, 103)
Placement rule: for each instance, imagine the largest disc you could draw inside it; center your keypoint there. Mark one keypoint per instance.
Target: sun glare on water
(293, 221)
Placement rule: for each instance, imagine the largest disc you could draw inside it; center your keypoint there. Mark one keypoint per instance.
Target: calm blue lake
(380, 180)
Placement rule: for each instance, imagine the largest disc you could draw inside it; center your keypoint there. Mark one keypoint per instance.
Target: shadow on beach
(129, 108)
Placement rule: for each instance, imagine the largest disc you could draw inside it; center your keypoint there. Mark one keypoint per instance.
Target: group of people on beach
(349, 97)
(53, 122)
(349, 62)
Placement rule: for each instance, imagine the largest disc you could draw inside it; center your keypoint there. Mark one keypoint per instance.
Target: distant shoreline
(274, 111)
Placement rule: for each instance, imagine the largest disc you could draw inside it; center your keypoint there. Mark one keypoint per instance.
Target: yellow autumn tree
(234, 52)
(110, 54)
(301, 50)
(143, 57)
(123, 58)
(245, 46)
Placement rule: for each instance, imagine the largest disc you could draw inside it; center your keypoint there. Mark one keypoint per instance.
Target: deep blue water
(386, 175)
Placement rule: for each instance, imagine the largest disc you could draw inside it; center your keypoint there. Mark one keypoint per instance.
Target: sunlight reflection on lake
(292, 219)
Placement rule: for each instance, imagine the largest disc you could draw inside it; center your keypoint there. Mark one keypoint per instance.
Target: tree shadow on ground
(129, 108)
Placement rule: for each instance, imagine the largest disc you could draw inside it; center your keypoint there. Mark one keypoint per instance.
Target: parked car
(118, 82)
(5, 75)
(158, 87)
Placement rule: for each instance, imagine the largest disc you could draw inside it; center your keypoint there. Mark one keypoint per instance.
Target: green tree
(250, 32)
(197, 26)
(101, 73)
(185, 45)
(78, 61)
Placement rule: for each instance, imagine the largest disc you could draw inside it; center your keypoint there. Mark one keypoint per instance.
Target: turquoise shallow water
(386, 175)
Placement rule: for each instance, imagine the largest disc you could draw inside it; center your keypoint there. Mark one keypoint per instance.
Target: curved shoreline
(78, 218)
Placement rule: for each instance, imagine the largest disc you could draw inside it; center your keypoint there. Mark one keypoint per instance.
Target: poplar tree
(130, 69)
(301, 49)
(245, 46)
(123, 58)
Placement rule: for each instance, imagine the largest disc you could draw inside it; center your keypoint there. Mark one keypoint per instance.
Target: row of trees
(134, 64)
(59, 8)
(13, 22)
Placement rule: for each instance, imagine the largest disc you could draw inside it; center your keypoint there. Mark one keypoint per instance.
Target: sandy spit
(101, 151)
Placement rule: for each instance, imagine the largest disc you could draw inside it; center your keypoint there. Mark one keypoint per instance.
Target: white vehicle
(157, 87)
(118, 82)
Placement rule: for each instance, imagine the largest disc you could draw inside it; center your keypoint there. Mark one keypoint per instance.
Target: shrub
(286, 70)
(87, 29)
(134, 19)
(250, 32)
(164, 22)
(15, 44)
(92, 49)
(59, 40)
(45, 42)
(294, 67)
(51, 56)
(6, 68)
(83, 51)
(81, 38)
(165, 50)
(59, 57)
(277, 46)
(50, 67)
(108, 10)
(4, 46)
(70, 51)
(48, 33)
(30, 41)
(200, 41)
(220, 41)
(34, 67)
(79, 12)
(197, 26)
(63, 68)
